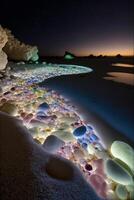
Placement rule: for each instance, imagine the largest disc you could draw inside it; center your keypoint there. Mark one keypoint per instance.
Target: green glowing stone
(121, 192)
(123, 152)
(69, 57)
(117, 173)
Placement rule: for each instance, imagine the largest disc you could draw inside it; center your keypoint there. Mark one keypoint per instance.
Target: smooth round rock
(121, 192)
(117, 173)
(43, 107)
(93, 138)
(64, 135)
(52, 144)
(68, 120)
(80, 131)
(124, 152)
(91, 150)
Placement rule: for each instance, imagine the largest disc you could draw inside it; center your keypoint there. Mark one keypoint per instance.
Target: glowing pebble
(80, 131)
(36, 123)
(64, 135)
(93, 137)
(53, 144)
(9, 108)
(117, 173)
(121, 192)
(124, 152)
(43, 107)
(91, 149)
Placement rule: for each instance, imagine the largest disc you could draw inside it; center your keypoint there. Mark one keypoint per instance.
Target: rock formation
(3, 56)
(19, 51)
(69, 56)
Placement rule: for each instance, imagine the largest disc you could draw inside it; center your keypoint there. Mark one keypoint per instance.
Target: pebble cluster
(55, 124)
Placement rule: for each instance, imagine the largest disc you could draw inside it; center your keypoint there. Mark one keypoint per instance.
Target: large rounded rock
(117, 173)
(52, 144)
(124, 152)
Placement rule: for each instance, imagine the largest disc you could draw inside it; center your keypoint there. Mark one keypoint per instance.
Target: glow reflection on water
(126, 78)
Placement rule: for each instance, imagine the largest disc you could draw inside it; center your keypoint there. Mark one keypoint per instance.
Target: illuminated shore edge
(40, 72)
(56, 124)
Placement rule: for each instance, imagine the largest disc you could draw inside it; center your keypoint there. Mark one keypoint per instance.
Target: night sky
(81, 26)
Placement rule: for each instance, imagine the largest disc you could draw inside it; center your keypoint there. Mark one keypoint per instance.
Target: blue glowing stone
(79, 141)
(40, 115)
(84, 145)
(93, 138)
(80, 131)
(43, 107)
(90, 128)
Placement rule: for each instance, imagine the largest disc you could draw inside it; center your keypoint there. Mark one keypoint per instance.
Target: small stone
(91, 150)
(88, 167)
(121, 192)
(3, 100)
(52, 144)
(36, 123)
